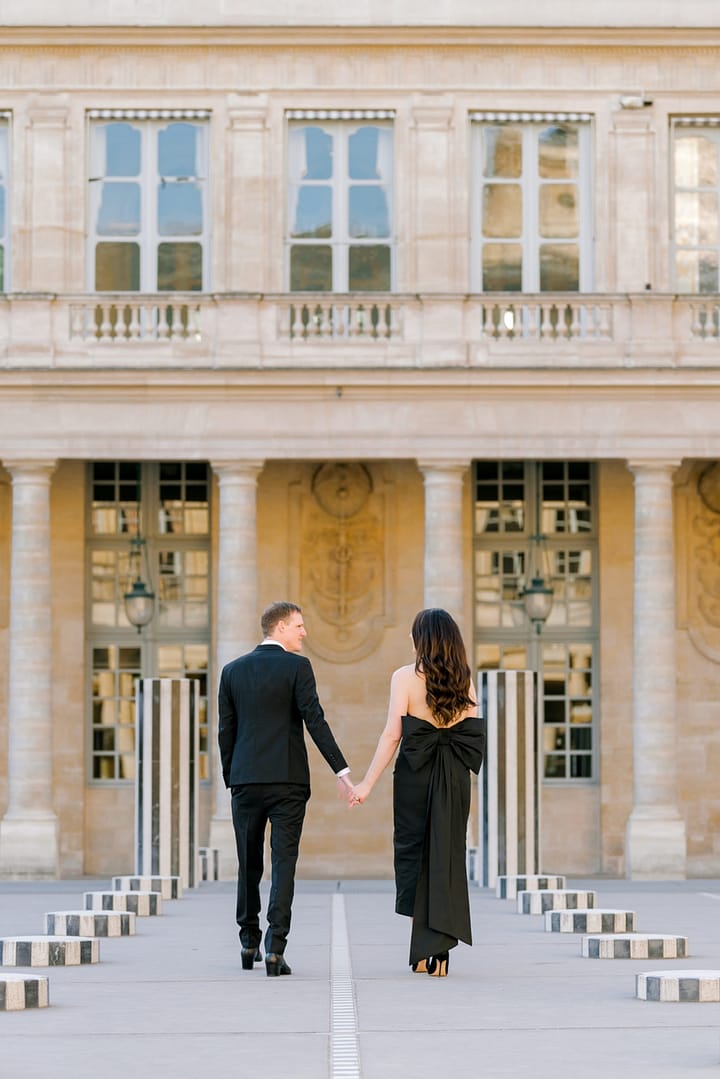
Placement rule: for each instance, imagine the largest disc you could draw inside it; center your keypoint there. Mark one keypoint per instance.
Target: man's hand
(345, 788)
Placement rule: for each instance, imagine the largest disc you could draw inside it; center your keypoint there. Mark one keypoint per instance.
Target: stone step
(48, 951)
(682, 986)
(557, 899)
(590, 921)
(20, 991)
(90, 923)
(209, 863)
(169, 887)
(508, 887)
(141, 903)
(634, 946)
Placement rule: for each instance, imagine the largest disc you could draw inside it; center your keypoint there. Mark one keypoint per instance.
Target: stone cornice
(142, 38)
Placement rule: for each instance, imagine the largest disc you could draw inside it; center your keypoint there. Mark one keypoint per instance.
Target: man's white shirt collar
(271, 640)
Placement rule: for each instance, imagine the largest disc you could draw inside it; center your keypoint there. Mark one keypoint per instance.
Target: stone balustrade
(301, 330)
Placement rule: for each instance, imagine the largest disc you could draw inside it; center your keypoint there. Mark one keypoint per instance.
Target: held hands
(353, 795)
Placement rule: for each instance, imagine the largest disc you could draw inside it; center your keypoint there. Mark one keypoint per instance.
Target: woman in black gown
(432, 716)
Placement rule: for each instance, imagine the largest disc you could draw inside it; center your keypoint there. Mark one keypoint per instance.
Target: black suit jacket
(264, 699)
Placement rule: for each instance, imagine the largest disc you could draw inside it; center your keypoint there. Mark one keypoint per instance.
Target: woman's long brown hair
(441, 659)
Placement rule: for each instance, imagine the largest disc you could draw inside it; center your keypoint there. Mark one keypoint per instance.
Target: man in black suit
(265, 698)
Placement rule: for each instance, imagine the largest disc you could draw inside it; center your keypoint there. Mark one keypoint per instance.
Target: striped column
(166, 787)
(509, 801)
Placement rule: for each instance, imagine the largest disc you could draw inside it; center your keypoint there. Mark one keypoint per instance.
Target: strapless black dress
(431, 802)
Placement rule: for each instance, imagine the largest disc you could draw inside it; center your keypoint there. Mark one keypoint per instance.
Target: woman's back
(413, 682)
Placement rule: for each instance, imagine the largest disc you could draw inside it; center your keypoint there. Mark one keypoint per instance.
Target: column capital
(29, 467)
(648, 464)
(430, 466)
(228, 470)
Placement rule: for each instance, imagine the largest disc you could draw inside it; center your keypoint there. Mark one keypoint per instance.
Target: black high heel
(250, 956)
(438, 965)
(421, 967)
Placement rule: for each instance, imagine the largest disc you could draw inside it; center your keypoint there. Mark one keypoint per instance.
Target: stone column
(28, 831)
(655, 845)
(445, 552)
(238, 629)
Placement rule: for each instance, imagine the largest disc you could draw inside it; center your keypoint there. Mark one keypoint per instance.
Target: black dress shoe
(276, 965)
(250, 956)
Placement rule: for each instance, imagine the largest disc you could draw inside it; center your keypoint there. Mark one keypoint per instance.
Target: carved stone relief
(704, 562)
(341, 514)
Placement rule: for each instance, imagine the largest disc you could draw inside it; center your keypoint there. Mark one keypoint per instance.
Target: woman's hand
(360, 792)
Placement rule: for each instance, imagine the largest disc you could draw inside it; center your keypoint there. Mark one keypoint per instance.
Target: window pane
(696, 161)
(558, 152)
(502, 151)
(697, 271)
(313, 212)
(179, 267)
(177, 151)
(179, 210)
(696, 217)
(119, 211)
(117, 267)
(502, 268)
(559, 210)
(318, 154)
(311, 269)
(502, 210)
(559, 268)
(2, 211)
(122, 149)
(369, 213)
(369, 269)
(362, 154)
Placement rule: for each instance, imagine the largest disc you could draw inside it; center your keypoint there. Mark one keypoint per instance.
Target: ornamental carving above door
(342, 517)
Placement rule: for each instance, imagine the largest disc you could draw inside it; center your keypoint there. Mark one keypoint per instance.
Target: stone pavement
(172, 1002)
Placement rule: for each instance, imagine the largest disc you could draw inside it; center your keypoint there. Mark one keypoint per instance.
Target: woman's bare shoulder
(406, 673)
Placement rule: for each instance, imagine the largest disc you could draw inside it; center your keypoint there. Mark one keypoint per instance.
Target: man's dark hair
(276, 612)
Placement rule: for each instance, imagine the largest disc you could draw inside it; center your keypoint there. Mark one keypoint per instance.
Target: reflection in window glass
(515, 501)
(3, 203)
(174, 496)
(147, 181)
(696, 223)
(340, 190)
(532, 187)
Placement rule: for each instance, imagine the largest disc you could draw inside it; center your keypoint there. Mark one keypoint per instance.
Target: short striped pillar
(560, 899)
(509, 804)
(590, 921)
(48, 951)
(20, 991)
(209, 863)
(166, 787)
(169, 887)
(634, 946)
(143, 904)
(679, 986)
(510, 887)
(90, 923)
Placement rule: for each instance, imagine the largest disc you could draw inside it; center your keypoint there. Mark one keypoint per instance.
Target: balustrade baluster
(575, 311)
(163, 326)
(133, 325)
(105, 331)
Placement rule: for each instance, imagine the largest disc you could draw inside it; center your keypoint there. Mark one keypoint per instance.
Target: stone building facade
(378, 312)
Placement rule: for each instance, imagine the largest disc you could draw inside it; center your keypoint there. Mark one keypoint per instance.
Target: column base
(29, 848)
(222, 837)
(655, 845)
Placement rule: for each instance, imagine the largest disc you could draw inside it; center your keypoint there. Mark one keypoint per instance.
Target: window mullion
(531, 224)
(341, 194)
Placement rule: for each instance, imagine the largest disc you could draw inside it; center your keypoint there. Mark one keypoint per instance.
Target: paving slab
(174, 1001)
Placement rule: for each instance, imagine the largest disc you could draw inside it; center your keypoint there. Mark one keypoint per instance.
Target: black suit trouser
(253, 805)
